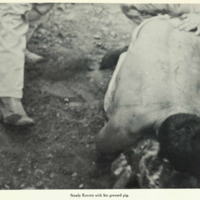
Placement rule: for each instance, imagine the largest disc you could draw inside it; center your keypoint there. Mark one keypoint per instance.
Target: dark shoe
(12, 112)
(32, 57)
(111, 58)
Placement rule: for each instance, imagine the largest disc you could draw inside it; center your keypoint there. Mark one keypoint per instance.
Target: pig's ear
(177, 136)
(111, 57)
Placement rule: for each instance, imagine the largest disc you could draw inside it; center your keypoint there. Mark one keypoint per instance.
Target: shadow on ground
(64, 95)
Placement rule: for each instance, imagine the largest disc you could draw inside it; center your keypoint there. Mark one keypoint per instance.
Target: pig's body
(159, 76)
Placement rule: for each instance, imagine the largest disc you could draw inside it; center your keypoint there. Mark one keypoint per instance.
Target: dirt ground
(64, 95)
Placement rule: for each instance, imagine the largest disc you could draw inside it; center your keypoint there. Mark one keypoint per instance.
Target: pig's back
(162, 67)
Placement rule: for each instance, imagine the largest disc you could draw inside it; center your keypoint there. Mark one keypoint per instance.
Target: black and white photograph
(99, 96)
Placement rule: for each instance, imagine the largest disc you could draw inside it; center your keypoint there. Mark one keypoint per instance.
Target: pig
(157, 79)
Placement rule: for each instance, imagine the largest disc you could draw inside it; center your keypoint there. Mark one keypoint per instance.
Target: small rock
(42, 91)
(75, 104)
(38, 173)
(7, 186)
(90, 68)
(40, 184)
(44, 113)
(58, 115)
(81, 186)
(44, 46)
(61, 7)
(98, 44)
(22, 185)
(19, 170)
(165, 160)
(85, 125)
(73, 137)
(50, 156)
(113, 34)
(42, 31)
(66, 100)
(74, 175)
(96, 36)
(61, 35)
(56, 137)
(71, 17)
(52, 175)
(118, 171)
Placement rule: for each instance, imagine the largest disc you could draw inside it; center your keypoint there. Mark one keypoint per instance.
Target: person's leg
(13, 28)
(35, 17)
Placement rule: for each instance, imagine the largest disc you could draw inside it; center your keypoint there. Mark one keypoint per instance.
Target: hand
(132, 13)
(122, 171)
(190, 22)
(119, 165)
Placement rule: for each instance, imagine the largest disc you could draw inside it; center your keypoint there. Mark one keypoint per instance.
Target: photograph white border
(126, 194)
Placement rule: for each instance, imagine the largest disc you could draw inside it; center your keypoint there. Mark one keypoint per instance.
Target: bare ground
(64, 95)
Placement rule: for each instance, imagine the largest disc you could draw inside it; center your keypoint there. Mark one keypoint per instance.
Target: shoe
(111, 58)
(12, 112)
(32, 57)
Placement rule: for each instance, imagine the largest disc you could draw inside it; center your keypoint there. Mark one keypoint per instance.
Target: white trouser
(13, 29)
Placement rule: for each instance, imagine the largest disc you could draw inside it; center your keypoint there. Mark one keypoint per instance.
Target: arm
(189, 13)
(139, 12)
(190, 22)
